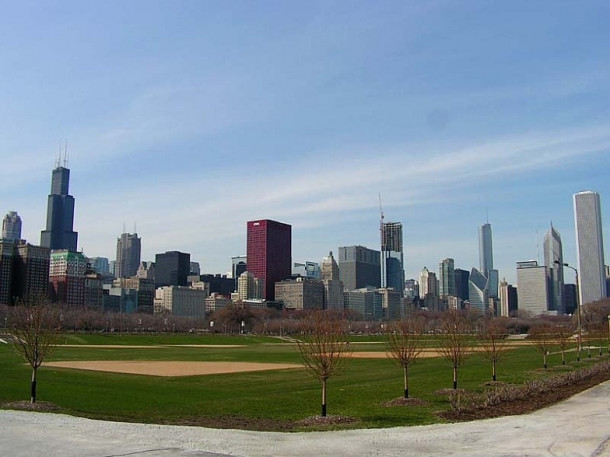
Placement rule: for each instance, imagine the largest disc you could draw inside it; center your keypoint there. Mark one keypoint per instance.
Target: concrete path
(576, 427)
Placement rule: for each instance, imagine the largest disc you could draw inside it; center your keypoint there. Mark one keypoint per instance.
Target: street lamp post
(579, 312)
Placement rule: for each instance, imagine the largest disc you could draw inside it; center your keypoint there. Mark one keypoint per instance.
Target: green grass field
(274, 399)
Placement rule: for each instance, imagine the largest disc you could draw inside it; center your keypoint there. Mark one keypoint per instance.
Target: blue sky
(189, 118)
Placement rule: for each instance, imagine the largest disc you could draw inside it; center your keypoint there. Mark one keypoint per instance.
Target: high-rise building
(569, 298)
(146, 270)
(128, 249)
(486, 258)
(31, 271)
(172, 269)
(301, 293)
(269, 253)
(411, 289)
(508, 299)
(7, 255)
(67, 277)
(238, 266)
(486, 261)
(144, 295)
(367, 302)
(359, 267)
(428, 283)
(553, 252)
(392, 304)
(477, 291)
(195, 269)
(249, 287)
(532, 287)
(100, 265)
(392, 270)
(333, 287)
(461, 283)
(589, 246)
(446, 277)
(330, 268)
(180, 301)
(59, 233)
(11, 227)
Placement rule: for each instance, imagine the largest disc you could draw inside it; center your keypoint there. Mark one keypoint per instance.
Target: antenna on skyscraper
(135, 228)
(124, 227)
(66, 154)
(58, 159)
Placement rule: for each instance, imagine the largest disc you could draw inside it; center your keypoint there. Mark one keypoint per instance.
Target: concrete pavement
(579, 426)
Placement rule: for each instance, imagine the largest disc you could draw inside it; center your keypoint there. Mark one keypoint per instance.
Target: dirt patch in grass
(325, 421)
(41, 406)
(401, 401)
(170, 368)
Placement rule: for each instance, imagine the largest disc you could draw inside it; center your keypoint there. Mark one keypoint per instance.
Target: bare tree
(542, 338)
(35, 327)
(563, 335)
(492, 341)
(405, 344)
(454, 343)
(324, 347)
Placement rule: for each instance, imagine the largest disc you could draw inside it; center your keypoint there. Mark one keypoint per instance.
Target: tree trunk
(33, 386)
(455, 371)
(493, 370)
(563, 357)
(545, 360)
(406, 382)
(324, 398)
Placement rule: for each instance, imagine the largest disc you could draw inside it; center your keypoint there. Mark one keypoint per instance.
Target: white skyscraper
(11, 227)
(532, 287)
(589, 246)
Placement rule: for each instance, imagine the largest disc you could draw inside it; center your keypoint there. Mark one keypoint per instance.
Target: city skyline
(303, 114)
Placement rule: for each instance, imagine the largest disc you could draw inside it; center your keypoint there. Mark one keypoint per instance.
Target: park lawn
(277, 396)
(154, 339)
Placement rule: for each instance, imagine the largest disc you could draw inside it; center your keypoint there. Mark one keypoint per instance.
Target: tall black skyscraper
(59, 233)
(172, 268)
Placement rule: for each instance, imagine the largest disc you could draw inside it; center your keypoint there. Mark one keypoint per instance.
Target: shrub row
(461, 400)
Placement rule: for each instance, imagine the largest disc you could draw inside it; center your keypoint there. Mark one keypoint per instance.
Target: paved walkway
(576, 427)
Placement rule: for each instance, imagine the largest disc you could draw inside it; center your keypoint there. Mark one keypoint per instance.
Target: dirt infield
(157, 346)
(171, 368)
(426, 353)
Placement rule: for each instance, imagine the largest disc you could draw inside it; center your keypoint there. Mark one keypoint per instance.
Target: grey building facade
(589, 247)
(359, 267)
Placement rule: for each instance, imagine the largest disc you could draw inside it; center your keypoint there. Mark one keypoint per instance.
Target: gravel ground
(576, 427)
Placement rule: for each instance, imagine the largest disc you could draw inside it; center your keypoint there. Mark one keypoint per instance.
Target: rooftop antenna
(124, 227)
(135, 228)
(66, 154)
(58, 158)
(538, 247)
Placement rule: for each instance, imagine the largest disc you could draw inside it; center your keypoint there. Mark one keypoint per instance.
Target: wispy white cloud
(199, 213)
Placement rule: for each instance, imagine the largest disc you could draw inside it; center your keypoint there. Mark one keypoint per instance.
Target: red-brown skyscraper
(269, 255)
